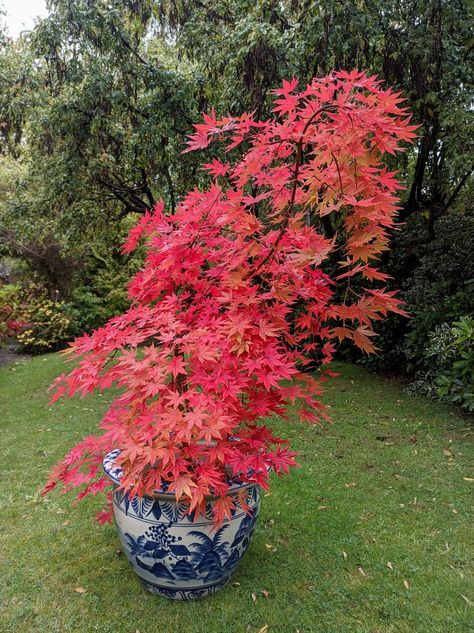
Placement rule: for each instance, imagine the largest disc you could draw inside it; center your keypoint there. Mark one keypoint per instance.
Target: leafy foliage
(207, 346)
(439, 290)
(45, 326)
(110, 131)
(10, 320)
(450, 360)
(442, 285)
(101, 295)
(95, 113)
(29, 316)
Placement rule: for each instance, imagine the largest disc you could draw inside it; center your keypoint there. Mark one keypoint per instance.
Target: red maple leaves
(236, 295)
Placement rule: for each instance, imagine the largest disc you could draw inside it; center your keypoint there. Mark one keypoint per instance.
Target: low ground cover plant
(30, 319)
(449, 358)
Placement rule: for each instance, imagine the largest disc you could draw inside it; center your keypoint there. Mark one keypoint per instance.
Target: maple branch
(286, 217)
(110, 358)
(341, 188)
(206, 215)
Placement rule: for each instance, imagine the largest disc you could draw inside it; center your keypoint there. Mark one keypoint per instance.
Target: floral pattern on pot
(175, 555)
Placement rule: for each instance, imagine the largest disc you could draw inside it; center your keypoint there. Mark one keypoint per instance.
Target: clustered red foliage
(233, 303)
(9, 324)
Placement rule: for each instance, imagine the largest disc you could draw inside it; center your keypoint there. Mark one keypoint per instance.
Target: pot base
(183, 594)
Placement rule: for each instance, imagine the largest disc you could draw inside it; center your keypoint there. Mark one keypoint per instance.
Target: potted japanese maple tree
(255, 277)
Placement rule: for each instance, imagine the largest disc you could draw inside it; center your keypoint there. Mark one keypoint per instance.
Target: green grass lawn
(371, 534)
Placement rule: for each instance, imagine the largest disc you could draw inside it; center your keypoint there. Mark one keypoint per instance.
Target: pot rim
(115, 473)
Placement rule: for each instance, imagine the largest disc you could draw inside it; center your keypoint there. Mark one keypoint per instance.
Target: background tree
(103, 128)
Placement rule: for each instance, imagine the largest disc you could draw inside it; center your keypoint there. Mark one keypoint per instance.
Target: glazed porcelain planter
(171, 554)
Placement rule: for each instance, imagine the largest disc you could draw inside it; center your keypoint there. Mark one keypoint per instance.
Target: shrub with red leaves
(211, 345)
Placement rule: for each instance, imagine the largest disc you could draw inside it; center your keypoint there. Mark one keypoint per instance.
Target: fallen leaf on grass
(322, 507)
(79, 590)
(344, 554)
(468, 478)
(361, 571)
(264, 629)
(406, 584)
(265, 593)
(389, 565)
(469, 602)
(351, 485)
(254, 598)
(454, 511)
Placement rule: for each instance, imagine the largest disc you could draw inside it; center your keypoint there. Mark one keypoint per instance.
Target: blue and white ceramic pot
(171, 554)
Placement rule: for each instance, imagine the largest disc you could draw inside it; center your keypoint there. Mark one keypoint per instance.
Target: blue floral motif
(187, 566)
(206, 558)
